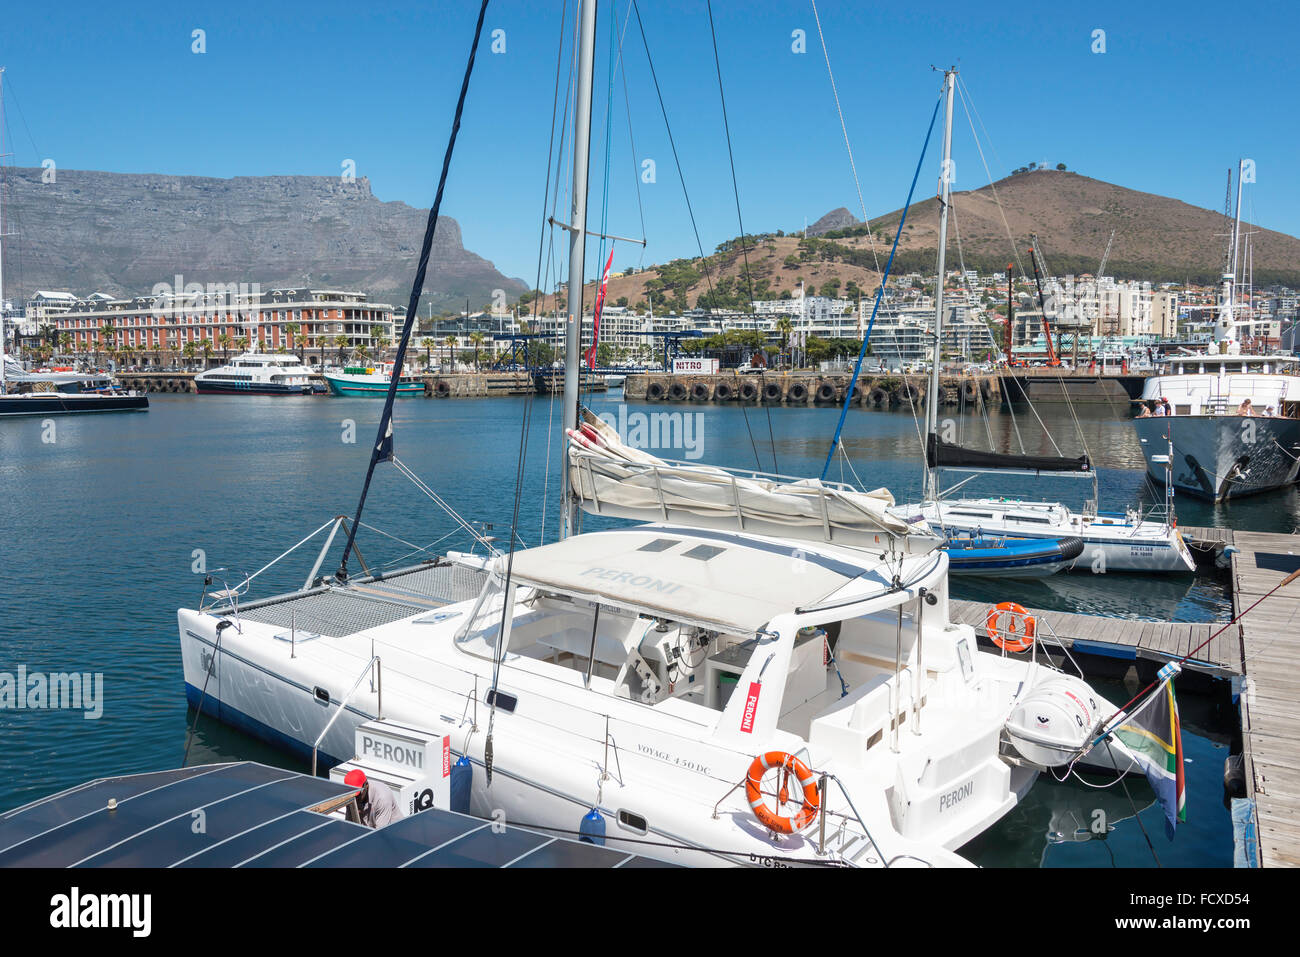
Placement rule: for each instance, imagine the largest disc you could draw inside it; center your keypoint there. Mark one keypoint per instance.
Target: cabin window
(658, 545)
(704, 552)
(632, 822)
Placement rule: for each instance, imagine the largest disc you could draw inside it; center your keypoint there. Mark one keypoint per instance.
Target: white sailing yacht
(1127, 541)
(769, 693)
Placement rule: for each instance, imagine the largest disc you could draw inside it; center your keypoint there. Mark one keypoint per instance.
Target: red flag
(600, 302)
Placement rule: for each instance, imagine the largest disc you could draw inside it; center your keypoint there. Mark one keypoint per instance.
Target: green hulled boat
(369, 381)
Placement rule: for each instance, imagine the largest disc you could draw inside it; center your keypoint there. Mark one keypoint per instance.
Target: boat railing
(375, 670)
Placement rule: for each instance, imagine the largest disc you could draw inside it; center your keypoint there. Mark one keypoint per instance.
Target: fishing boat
(754, 687)
(370, 381)
(257, 373)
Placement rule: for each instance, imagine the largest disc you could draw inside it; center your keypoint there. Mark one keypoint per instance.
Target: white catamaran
(728, 686)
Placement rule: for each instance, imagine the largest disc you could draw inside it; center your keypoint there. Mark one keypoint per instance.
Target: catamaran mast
(577, 247)
(945, 183)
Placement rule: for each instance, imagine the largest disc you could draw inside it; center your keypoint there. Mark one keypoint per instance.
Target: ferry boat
(369, 381)
(256, 373)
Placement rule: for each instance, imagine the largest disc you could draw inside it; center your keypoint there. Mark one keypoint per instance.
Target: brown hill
(1156, 238)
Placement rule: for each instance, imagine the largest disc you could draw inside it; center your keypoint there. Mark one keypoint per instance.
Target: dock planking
(1158, 641)
(1269, 639)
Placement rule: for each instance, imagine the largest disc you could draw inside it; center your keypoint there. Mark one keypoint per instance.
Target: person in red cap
(375, 802)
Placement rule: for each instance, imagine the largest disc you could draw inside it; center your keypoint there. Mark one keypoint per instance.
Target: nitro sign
(695, 366)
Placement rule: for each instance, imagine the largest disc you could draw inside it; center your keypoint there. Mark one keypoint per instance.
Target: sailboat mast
(1236, 226)
(577, 247)
(945, 183)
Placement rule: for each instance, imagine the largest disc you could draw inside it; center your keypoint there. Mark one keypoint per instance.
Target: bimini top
(260, 816)
(719, 579)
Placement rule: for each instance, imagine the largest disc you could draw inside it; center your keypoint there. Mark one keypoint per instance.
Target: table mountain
(120, 233)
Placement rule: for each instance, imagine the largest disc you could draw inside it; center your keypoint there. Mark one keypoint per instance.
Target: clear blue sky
(1179, 94)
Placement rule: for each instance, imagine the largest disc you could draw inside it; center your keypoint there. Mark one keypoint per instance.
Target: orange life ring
(788, 763)
(1010, 638)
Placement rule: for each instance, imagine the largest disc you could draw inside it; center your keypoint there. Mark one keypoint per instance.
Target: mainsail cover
(612, 478)
(940, 454)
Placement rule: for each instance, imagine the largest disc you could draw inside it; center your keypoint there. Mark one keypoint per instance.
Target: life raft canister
(1018, 632)
(788, 764)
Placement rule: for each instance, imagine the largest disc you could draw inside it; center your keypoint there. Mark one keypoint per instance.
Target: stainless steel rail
(372, 667)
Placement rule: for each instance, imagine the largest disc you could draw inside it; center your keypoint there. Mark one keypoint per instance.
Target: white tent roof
(730, 580)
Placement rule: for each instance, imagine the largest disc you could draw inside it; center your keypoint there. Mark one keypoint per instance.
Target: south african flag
(1153, 734)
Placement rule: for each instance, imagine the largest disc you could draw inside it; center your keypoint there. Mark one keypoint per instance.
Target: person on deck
(1245, 408)
(1167, 407)
(1159, 409)
(1145, 413)
(375, 802)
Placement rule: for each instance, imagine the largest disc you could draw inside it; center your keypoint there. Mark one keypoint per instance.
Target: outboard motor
(1054, 721)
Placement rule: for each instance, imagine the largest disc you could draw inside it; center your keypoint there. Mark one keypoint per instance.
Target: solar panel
(246, 814)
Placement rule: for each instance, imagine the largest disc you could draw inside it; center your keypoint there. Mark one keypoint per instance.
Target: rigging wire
(547, 237)
(383, 448)
(965, 95)
(845, 130)
(880, 291)
(708, 276)
(744, 248)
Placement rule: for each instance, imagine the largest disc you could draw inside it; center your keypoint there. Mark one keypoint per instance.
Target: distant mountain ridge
(1156, 238)
(121, 233)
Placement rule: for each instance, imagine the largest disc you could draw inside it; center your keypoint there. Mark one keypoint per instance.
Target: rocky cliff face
(836, 219)
(121, 233)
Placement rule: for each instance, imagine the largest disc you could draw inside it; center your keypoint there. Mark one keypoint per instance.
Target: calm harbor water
(103, 518)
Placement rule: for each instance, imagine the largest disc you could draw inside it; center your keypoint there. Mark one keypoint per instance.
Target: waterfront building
(157, 329)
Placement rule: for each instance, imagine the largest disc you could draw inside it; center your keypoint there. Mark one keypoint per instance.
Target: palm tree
(451, 351)
(785, 327)
(223, 340)
(342, 343)
(207, 352)
(242, 343)
(381, 346)
(188, 352)
(65, 342)
(291, 330)
(478, 339)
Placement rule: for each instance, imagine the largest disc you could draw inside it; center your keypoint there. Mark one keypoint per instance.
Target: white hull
(1110, 542)
(1218, 457)
(941, 788)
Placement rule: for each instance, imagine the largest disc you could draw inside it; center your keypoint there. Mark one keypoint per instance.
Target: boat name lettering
(388, 751)
(751, 707)
(636, 581)
(956, 796)
(672, 759)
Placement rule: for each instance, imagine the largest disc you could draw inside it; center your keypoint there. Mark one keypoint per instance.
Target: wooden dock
(1270, 697)
(1125, 638)
(1263, 649)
